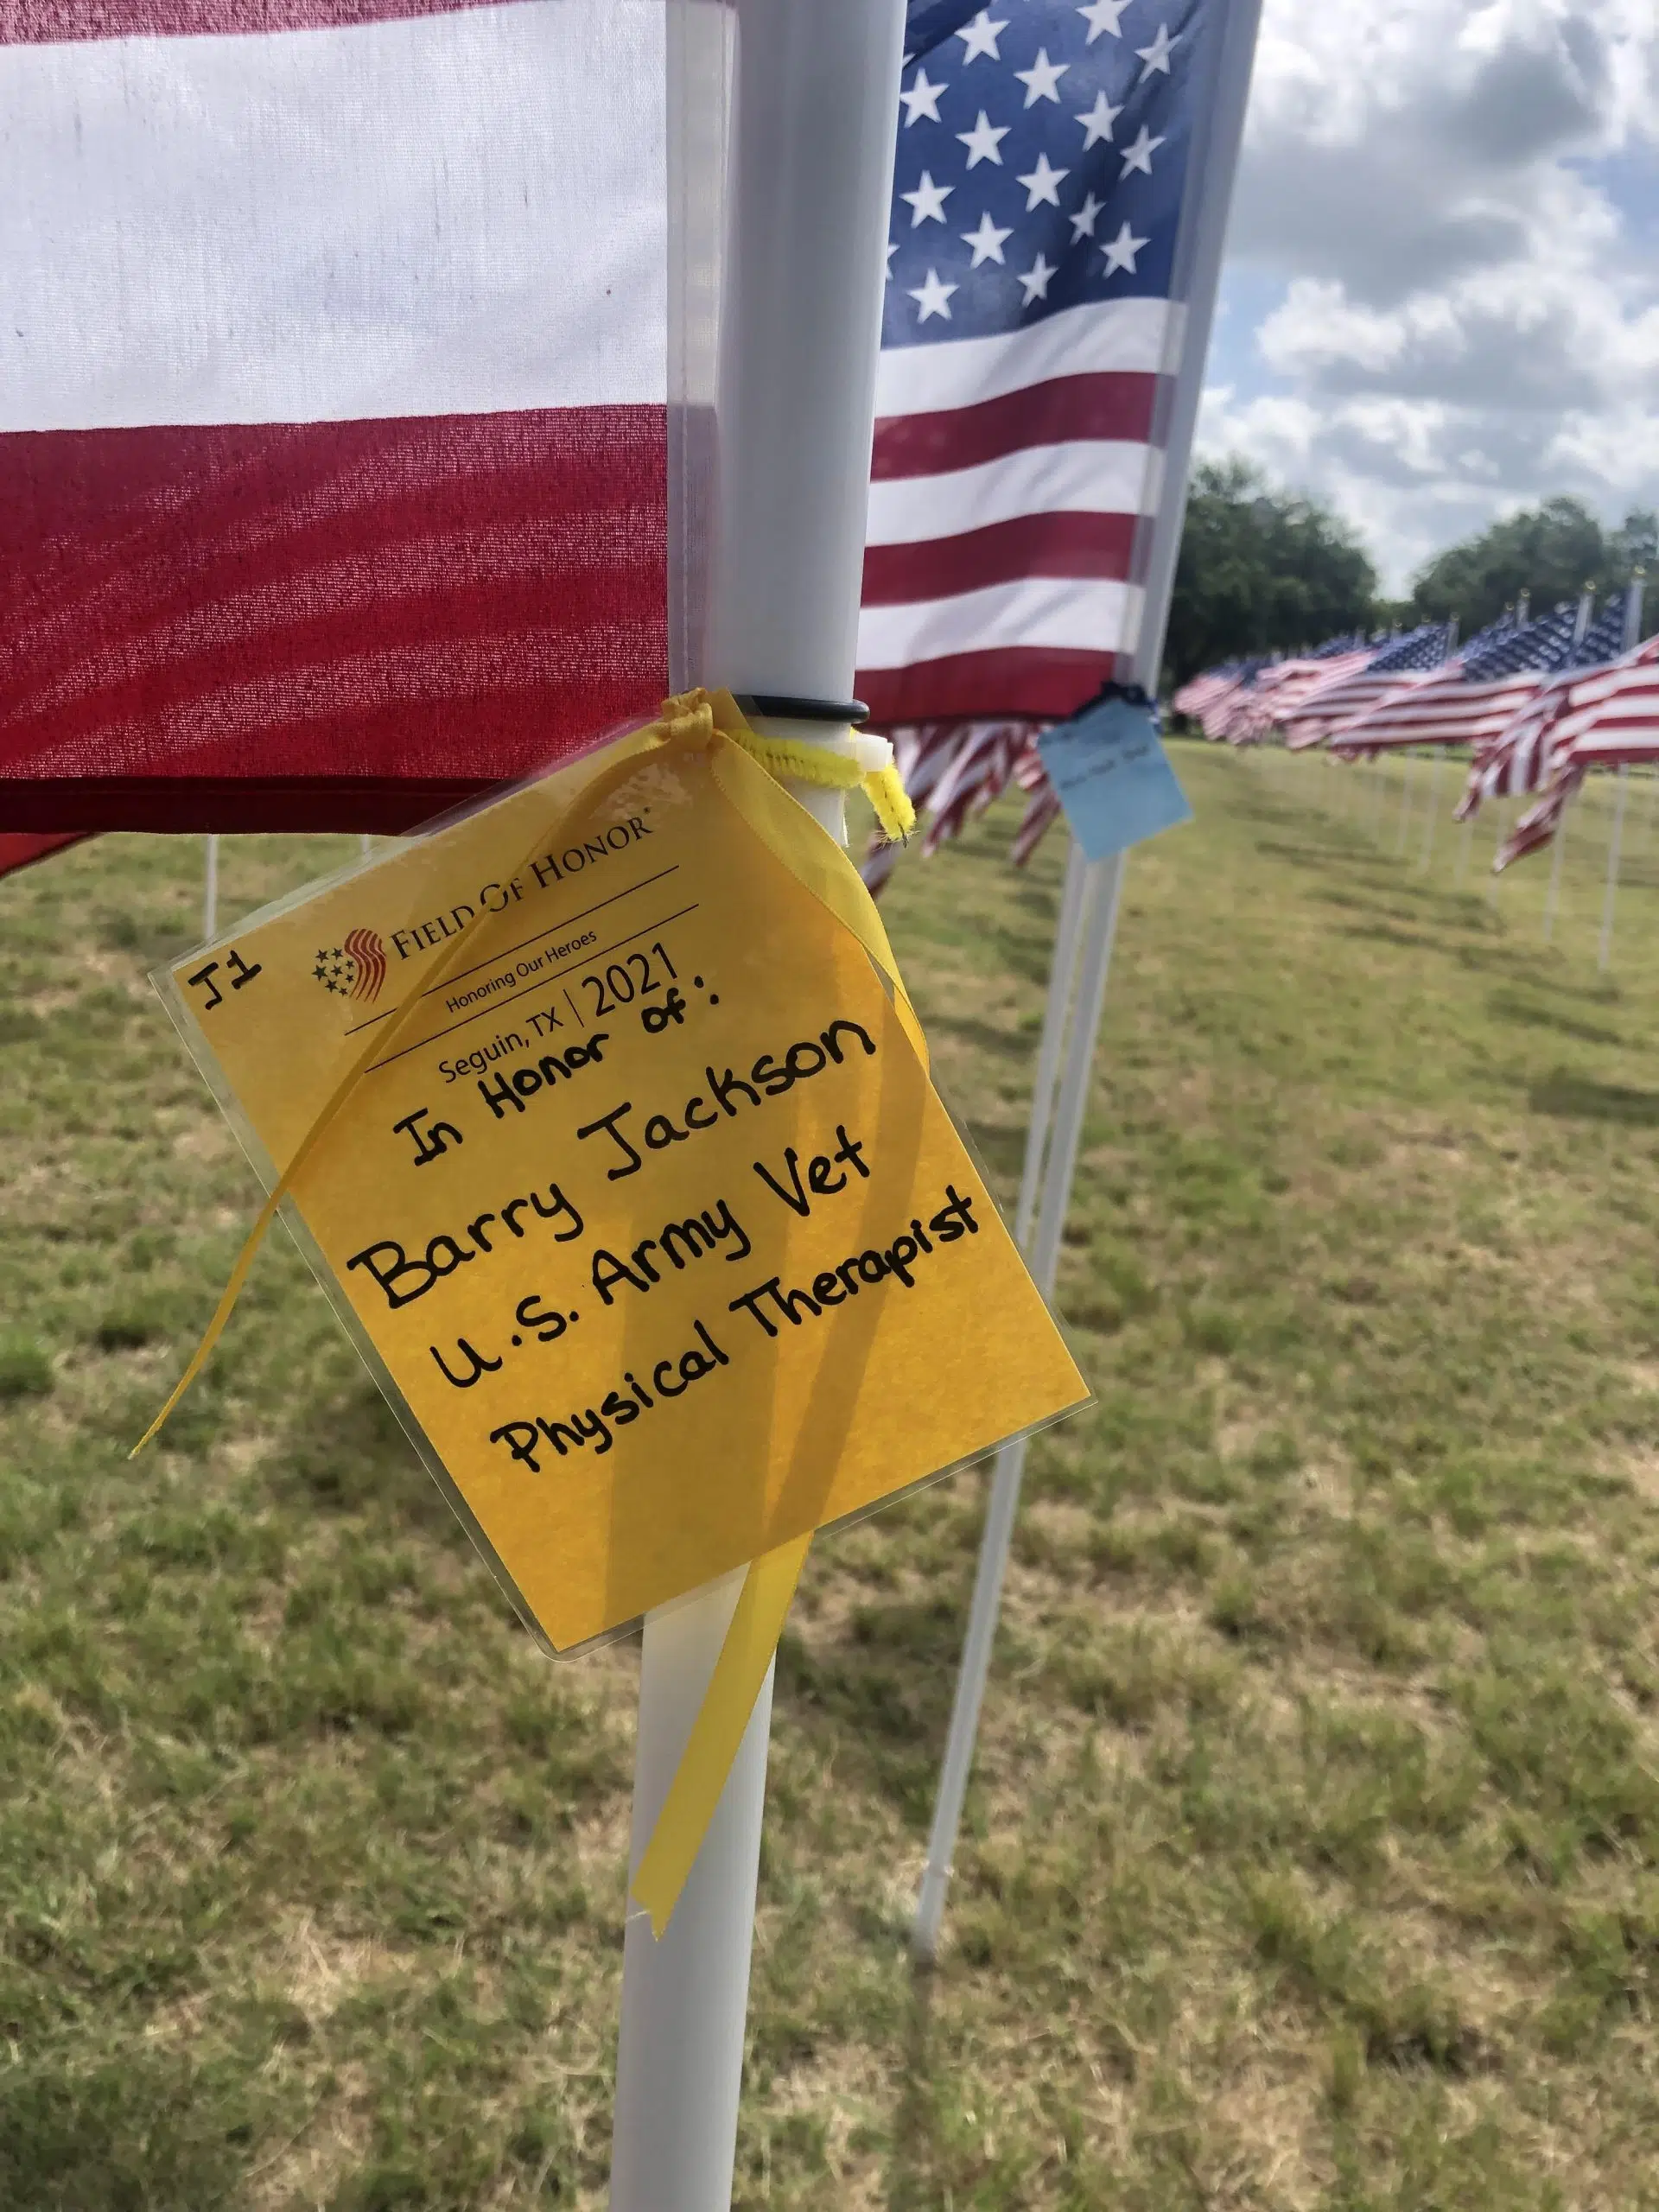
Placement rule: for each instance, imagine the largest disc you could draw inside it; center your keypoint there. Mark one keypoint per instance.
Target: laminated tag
(1112, 775)
(615, 1146)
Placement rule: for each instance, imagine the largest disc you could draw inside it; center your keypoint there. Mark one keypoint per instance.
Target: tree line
(1267, 570)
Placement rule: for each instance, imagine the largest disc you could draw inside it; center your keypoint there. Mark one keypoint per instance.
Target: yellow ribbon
(744, 772)
(745, 765)
(763, 1606)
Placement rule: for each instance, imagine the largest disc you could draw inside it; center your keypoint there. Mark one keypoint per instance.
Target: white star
(1121, 253)
(1035, 280)
(1098, 124)
(1043, 185)
(1042, 79)
(933, 298)
(981, 36)
(1138, 157)
(984, 140)
(1083, 223)
(892, 248)
(987, 240)
(927, 201)
(1104, 15)
(922, 99)
(1156, 56)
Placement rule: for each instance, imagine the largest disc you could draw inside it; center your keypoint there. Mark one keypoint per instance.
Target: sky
(1442, 295)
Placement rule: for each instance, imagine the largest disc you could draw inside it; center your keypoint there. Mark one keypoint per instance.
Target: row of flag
(1537, 703)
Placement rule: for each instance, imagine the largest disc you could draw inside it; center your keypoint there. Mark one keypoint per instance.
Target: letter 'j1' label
(643, 1197)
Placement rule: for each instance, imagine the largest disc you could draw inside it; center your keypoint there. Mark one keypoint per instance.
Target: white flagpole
(1077, 902)
(1405, 800)
(1554, 892)
(817, 105)
(1043, 1254)
(1433, 795)
(1051, 1153)
(210, 890)
(1605, 949)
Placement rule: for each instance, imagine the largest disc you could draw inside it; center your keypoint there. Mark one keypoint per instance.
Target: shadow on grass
(1347, 857)
(347, 1452)
(999, 1149)
(1508, 1005)
(878, 1697)
(1579, 1098)
(1510, 961)
(1389, 934)
(983, 1036)
(911, 2180)
(1039, 899)
(120, 2134)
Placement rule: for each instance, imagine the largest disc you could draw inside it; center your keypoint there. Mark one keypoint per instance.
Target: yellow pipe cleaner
(875, 773)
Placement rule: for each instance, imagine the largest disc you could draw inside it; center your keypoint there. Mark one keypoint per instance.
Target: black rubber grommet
(803, 710)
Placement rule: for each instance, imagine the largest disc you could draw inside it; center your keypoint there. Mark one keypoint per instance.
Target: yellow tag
(641, 1192)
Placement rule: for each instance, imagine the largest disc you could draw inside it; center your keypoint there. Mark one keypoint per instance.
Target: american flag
(1277, 693)
(1042, 804)
(1520, 758)
(978, 772)
(1606, 719)
(334, 380)
(1212, 705)
(1402, 664)
(1493, 679)
(1041, 161)
(20, 850)
(1609, 718)
(1201, 690)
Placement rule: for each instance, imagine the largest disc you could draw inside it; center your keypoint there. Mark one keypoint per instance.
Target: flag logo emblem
(355, 969)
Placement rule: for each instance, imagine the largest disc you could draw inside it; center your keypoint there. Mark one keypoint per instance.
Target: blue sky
(1441, 298)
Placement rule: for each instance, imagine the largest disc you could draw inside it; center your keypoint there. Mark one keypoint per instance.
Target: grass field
(1314, 1849)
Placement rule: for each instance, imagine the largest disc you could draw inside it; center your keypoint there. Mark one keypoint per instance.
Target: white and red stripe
(1329, 707)
(1011, 474)
(1607, 718)
(332, 401)
(1042, 804)
(978, 773)
(1443, 711)
(1610, 717)
(1600, 717)
(1200, 692)
(1217, 709)
(1278, 692)
(1520, 756)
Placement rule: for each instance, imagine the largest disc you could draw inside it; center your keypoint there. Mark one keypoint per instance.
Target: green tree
(1635, 544)
(1261, 570)
(1552, 552)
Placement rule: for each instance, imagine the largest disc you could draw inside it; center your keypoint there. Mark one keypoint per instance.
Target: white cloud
(1442, 208)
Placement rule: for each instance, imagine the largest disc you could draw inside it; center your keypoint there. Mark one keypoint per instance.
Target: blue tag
(1113, 777)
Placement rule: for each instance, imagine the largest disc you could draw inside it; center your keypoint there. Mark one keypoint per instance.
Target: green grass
(1312, 1858)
